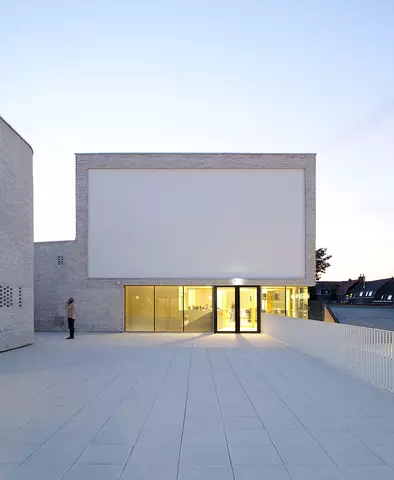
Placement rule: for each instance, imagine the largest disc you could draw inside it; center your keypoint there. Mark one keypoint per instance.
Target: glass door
(237, 309)
(225, 309)
(248, 310)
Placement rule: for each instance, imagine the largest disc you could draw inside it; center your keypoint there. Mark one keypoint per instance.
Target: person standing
(71, 317)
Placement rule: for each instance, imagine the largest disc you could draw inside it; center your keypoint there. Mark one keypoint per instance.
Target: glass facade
(190, 308)
(285, 301)
(168, 309)
(198, 316)
(248, 309)
(225, 309)
(273, 300)
(297, 302)
(139, 309)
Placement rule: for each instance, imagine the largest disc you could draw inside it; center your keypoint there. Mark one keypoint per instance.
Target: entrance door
(225, 317)
(237, 309)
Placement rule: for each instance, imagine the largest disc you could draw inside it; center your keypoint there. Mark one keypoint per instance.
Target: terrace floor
(186, 407)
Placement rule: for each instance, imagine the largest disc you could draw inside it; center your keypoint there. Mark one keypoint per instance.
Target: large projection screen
(196, 223)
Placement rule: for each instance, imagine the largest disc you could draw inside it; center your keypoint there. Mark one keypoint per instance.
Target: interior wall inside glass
(273, 300)
(297, 302)
(168, 309)
(225, 305)
(139, 309)
(198, 315)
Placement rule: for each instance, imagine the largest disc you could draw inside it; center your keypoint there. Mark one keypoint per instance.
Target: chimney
(361, 279)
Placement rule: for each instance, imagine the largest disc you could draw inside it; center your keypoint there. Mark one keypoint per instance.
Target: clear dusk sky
(212, 76)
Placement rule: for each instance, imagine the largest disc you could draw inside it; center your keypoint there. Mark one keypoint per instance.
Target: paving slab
(184, 407)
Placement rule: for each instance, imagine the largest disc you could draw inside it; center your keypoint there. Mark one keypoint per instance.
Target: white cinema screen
(196, 223)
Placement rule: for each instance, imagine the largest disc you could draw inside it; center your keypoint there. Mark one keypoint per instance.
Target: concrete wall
(16, 239)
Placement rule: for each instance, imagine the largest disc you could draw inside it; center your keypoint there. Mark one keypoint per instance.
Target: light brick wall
(100, 302)
(16, 238)
(84, 162)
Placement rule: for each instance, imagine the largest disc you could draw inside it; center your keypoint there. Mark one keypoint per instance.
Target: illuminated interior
(198, 316)
(297, 302)
(168, 309)
(225, 309)
(273, 300)
(248, 309)
(139, 309)
(190, 308)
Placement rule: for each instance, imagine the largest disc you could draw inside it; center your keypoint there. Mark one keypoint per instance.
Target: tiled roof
(345, 286)
(373, 285)
(387, 288)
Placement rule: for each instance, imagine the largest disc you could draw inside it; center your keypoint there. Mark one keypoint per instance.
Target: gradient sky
(212, 76)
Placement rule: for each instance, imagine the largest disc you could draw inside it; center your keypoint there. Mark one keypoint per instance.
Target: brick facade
(16, 239)
(100, 302)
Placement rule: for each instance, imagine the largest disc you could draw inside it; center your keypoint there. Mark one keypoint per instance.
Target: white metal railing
(364, 352)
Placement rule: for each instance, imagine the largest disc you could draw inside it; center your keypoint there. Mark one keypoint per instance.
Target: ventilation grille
(6, 296)
(60, 260)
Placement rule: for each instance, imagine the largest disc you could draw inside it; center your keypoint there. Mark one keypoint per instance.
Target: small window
(361, 294)
(319, 292)
(390, 297)
(60, 260)
(371, 294)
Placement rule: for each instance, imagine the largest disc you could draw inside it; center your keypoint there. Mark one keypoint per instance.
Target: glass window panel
(297, 302)
(139, 309)
(248, 309)
(303, 302)
(273, 300)
(225, 309)
(291, 310)
(169, 309)
(198, 315)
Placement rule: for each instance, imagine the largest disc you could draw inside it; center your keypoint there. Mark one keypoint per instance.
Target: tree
(322, 262)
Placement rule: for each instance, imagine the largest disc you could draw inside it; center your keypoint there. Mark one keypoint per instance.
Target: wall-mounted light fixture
(238, 281)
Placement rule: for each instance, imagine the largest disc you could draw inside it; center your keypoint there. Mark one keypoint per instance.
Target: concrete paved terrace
(187, 407)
